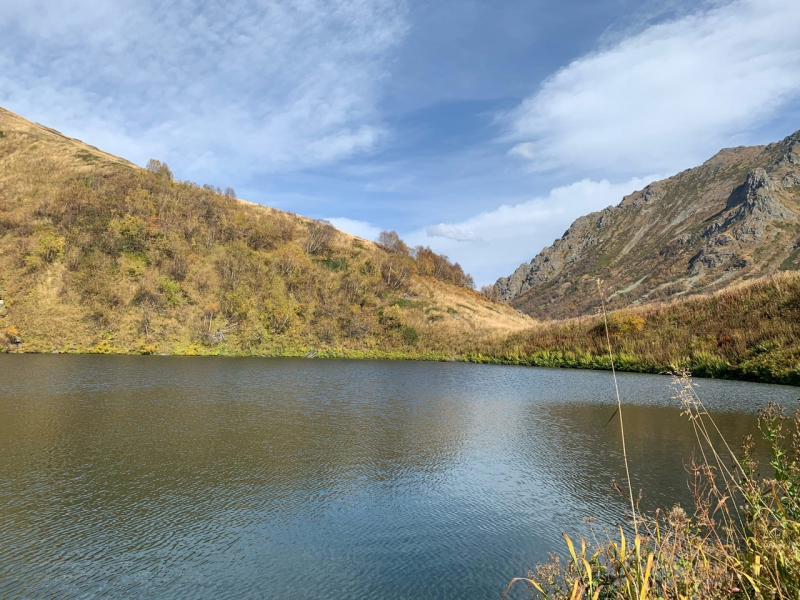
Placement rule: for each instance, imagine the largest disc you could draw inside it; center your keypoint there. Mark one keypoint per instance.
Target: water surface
(165, 477)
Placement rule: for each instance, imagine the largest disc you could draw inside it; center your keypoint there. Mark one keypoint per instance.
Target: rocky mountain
(733, 218)
(100, 255)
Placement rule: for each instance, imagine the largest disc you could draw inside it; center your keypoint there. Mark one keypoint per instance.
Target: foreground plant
(742, 540)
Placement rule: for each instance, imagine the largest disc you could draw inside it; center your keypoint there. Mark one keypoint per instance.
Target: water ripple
(143, 477)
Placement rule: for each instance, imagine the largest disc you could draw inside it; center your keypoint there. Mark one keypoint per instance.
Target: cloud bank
(452, 233)
(667, 97)
(208, 86)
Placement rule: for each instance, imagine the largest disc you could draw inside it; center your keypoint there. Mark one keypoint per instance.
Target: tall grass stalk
(619, 408)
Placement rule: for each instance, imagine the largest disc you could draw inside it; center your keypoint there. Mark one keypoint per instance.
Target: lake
(168, 477)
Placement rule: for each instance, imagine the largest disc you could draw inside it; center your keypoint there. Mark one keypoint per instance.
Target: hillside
(734, 218)
(749, 331)
(99, 255)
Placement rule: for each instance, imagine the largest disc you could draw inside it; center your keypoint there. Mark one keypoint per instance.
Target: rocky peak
(791, 140)
(733, 217)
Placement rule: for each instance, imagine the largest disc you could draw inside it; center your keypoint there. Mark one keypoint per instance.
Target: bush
(132, 230)
(32, 262)
(51, 247)
(171, 290)
(9, 336)
(410, 335)
(625, 323)
(392, 317)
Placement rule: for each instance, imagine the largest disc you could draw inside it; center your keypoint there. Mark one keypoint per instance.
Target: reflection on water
(167, 477)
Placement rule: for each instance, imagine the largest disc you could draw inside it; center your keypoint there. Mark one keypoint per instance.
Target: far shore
(548, 359)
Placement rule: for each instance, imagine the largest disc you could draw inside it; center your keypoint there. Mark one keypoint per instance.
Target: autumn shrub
(392, 317)
(8, 336)
(410, 335)
(51, 247)
(171, 290)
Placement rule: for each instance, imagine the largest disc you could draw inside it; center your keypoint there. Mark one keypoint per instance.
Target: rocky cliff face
(737, 216)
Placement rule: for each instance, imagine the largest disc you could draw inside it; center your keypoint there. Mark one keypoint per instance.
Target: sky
(479, 128)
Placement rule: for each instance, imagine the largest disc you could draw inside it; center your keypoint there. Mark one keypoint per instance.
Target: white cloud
(210, 87)
(514, 233)
(361, 229)
(452, 233)
(667, 97)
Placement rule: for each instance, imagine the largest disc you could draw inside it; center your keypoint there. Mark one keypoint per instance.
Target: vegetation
(97, 255)
(749, 331)
(742, 540)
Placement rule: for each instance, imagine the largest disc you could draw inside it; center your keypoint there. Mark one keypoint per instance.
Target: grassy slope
(98, 255)
(749, 331)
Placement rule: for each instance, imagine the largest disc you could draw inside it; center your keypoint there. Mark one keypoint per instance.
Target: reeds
(619, 410)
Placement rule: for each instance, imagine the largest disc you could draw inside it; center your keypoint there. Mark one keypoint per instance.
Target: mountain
(100, 255)
(733, 218)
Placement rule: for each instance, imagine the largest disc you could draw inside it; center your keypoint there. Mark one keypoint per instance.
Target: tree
(229, 192)
(320, 234)
(439, 267)
(396, 270)
(392, 242)
(159, 168)
(460, 278)
(489, 291)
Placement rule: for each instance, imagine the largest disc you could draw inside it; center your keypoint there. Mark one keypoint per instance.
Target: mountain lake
(170, 477)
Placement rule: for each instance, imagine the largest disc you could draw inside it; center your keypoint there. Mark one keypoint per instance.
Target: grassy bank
(748, 332)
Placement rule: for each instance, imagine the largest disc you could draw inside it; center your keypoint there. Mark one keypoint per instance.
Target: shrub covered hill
(99, 255)
(734, 218)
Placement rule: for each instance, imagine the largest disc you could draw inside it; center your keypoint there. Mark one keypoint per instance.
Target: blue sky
(480, 128)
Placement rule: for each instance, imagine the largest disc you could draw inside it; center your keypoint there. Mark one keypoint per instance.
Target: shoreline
(546, 359)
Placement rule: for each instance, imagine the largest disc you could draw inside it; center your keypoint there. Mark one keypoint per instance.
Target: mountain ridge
(734, 217)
